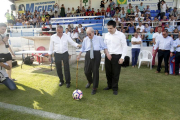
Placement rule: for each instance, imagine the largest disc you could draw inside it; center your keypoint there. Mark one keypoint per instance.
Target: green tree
(85, 1)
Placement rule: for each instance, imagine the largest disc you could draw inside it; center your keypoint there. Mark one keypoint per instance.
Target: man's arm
(124, 46)
(73, 43)
(5, 40)
(5, 66)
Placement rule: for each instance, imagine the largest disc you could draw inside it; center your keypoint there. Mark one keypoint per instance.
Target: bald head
(90, 32)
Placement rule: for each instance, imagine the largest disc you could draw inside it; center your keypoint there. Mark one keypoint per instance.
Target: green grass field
(142, 95)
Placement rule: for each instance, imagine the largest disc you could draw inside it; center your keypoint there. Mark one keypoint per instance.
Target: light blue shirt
(176, 43)
(150, 35)
(147, 29)
(164, 43)
(170, 29)
(98, 44)
(122, 16)
(141, 8)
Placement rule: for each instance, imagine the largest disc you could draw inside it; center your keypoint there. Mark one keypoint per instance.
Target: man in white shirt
(141, 27)
(155, 36)
(117, 49)
(74, 36)
(51, 13)
(137, 12)
(136, 45)
(165, 44)
(67, 32)
(59, 46)
(163, 9)
(177, 56)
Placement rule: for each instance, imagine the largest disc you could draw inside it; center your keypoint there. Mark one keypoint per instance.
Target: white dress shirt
(69, 34)
(155, 35)
(164, 43)
(163, 9)
(60, 45)
(176, 43)
(139, 14)
(116, 43)
(141, 28)
(134, 39)
(74, 35)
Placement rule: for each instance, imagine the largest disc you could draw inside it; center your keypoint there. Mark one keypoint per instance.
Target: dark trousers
(92, 67)
(135, 54)
(162, 15)
(58, 61)
(9, 83)
(163, 54)
(149, 40)
(113, 69)
(177, 62)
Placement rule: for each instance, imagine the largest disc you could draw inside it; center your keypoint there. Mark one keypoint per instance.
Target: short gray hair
(90, 29)
(60, 27)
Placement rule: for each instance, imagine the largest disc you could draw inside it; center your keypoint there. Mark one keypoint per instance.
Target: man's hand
(171, 54)
(50, 58)
(1, 64)
(109, 56)
(78, 57)
(121, 61)
(13, 55)
(79, 46)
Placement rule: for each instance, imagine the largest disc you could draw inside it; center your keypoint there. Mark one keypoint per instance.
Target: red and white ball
(77, 94)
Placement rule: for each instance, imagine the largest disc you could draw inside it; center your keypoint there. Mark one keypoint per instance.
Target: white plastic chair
(102, 61)
(145, 56)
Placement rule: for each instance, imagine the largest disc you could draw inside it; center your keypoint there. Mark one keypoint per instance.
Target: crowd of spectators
(129, 19)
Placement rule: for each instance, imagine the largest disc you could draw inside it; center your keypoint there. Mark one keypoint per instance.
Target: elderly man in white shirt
(155, 35)
(136, 45)
(59, 46)
(117, 48)
(177, 55)
(165, 45)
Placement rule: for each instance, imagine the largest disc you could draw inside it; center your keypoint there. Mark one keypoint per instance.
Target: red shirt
(156, 29)
(98, 13)
(108, 10)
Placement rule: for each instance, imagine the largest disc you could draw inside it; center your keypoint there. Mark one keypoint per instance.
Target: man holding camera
(4, 79)
(5, 48)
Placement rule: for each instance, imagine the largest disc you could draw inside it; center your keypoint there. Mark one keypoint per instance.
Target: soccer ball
(77, 94)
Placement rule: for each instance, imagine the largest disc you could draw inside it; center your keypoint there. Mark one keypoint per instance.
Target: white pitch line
(36, 112)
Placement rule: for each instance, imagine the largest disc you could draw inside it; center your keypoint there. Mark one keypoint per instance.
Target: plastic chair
(41, 48)
(145, 56)
(102, 62)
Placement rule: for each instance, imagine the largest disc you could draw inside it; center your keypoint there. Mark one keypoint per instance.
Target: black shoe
(88, 85)
(61, 83)
(93, 92)
(107, 88)
(115, 92)
(67, 85)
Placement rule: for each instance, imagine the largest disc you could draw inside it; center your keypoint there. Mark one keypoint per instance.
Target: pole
(77, 74)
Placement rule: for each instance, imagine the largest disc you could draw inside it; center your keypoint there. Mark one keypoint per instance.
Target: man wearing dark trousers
(165, 45)
(92, 45)
(59, 45)
(117, 48)
(177, 56)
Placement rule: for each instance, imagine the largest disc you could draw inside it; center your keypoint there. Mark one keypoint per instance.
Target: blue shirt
(122, 16)
(131, 29)
(98, 44)
(141, 8)
(147, 29)
(170, 29)
(176, 43)
(150, 35)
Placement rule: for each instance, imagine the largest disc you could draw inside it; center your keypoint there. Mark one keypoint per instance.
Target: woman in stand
(62, 14)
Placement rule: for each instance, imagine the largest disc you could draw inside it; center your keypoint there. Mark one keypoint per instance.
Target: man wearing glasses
(165, 45)
(92, 45)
